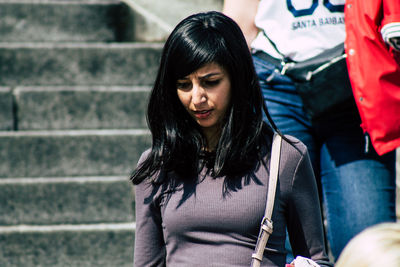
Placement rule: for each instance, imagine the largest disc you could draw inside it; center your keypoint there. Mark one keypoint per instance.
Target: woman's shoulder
(293, 152)
(293, 145)
(290, 146)
(144, 156)
(147, 188)
(146, 182)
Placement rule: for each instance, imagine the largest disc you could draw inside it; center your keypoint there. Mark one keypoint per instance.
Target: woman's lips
(202, 114)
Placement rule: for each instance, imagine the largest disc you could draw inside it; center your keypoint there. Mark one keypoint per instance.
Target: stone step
(74, 21)
(6, 109)
(66, 200)
(167, 14)
(78, 64)
(80, 107)
(71, 153)
(100, 245)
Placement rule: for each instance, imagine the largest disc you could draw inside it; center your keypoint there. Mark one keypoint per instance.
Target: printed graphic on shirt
(329, 4)
(302, 24)
(300, 29)
(298, 12)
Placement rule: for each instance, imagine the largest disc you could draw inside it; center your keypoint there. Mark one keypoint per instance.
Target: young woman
(201, 189)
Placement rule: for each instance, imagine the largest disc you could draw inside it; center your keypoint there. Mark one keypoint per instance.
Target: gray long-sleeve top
(198, 225)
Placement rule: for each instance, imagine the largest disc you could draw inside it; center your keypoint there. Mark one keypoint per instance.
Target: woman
(201, 189)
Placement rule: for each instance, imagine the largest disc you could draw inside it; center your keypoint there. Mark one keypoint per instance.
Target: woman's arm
(243, 12)
(304, 214)
(149, 242)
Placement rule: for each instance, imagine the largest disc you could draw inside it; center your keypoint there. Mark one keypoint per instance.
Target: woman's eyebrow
(203, 77)
(210, 75)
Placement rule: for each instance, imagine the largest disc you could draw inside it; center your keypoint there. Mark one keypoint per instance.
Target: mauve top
(199, 225)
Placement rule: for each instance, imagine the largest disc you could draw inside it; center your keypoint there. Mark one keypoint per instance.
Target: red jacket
(373, 70)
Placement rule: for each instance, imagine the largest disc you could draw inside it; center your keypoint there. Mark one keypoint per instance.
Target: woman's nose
(198, 95)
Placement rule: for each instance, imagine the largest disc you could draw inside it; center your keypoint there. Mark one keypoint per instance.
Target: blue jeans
(357, 187)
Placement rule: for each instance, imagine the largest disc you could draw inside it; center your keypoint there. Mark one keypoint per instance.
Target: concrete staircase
(74, 81)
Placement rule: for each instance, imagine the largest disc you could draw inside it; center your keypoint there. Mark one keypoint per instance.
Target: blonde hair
(378, 245)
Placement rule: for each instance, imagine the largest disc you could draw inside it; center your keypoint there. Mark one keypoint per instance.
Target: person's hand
(395, 43)
(300, 261)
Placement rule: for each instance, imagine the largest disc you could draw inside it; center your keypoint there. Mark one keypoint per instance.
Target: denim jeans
(356, 185)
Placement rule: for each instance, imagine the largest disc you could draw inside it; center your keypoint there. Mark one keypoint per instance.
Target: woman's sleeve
(149, 242)
(305, 226)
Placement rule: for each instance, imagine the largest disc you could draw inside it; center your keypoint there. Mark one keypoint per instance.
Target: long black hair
(177, 139)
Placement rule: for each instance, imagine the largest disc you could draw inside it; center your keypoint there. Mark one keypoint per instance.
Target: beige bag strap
(266, 223)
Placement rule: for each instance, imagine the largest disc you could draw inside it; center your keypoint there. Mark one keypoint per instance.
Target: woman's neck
(212, 138)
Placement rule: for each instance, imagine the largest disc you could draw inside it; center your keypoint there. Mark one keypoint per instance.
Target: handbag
(322, 81)
(266, 228)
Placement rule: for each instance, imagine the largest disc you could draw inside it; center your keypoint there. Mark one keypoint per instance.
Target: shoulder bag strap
(266, 223)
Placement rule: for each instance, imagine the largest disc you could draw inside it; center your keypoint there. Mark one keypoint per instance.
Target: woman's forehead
(207, 69)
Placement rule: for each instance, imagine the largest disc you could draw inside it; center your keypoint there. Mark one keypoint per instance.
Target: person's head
(206, 96)
(196, 41)
(378, 245)
(206, 51)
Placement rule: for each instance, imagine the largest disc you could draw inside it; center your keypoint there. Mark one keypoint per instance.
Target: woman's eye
(211, 83)
(183, 85)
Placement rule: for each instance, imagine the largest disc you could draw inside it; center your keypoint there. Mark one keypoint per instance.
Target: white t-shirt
(300, 29)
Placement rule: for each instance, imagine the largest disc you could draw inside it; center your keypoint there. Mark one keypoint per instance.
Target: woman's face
(206, 94)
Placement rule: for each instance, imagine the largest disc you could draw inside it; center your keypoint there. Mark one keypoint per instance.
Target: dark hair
(177, 139)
